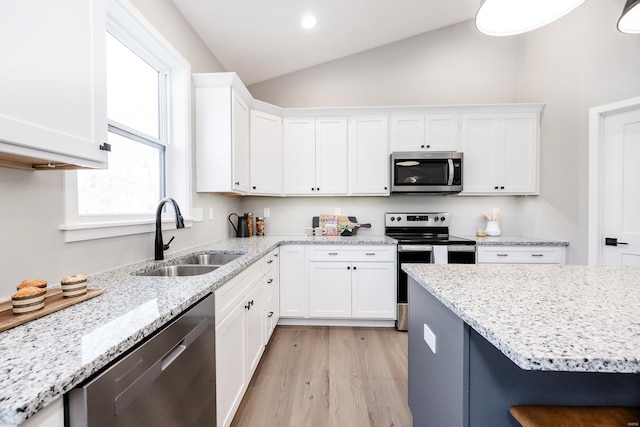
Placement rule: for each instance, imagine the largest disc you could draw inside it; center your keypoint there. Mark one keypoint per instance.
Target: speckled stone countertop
(515, 241)
(546, 317)
(43, 359)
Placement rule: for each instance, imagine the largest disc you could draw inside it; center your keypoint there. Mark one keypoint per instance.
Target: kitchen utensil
(242, 227)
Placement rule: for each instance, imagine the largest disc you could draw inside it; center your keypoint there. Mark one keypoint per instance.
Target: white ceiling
(261, 39)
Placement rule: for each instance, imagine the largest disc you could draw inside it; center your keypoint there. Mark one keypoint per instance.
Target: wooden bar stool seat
(575, 416)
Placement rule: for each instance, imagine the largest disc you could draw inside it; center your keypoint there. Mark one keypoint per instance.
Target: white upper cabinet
(368, 156)
(424, 132)
(266, 153)
(53, 83)
(240, 143)
(501, 153)
(315, 156)
(222, 139)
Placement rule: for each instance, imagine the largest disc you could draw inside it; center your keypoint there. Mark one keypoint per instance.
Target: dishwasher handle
(140, 384)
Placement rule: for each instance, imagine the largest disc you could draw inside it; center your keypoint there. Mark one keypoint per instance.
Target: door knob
(612, 241)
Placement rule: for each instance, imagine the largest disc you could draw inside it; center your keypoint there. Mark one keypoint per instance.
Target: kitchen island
(43, 359)
(520, 334)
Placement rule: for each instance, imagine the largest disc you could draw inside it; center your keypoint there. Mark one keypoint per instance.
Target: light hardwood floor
(329, 377)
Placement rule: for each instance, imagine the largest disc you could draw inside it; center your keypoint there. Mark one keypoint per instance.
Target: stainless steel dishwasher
(169, 380)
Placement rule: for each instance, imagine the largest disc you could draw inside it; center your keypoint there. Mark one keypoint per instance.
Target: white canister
(493, 228)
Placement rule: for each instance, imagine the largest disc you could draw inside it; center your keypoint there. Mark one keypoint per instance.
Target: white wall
(576, 63)
(33, 202)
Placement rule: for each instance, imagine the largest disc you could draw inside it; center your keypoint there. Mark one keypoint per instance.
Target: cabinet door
(53, 82)
(373, 288)
(266, 153)
(480, 139)
(254, 311)
(299, 156)
(331, 156)
(441, 132)
(520, 161)
(231, 372)
(240, 143)
(368, 156)
(330, 289)
(407, 132)
(293, 285)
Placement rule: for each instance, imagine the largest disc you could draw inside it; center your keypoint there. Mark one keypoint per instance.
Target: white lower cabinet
(293, 289)
(521, 254)
(239, 338)
(363, 290)
(271, 291)
(338, 282)
(329, 289)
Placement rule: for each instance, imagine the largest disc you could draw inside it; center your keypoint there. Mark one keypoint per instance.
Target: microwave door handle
(450, 172)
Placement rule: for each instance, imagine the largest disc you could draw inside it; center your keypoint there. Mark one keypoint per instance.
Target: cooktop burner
(421, 228)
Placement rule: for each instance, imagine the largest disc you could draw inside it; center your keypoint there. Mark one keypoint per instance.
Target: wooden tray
(54, 301)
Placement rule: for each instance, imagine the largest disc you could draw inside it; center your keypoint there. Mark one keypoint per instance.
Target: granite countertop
(43, 359)
(546, 317)
(515, 241)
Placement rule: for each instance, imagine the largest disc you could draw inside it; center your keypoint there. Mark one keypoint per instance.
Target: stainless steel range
(424, 238)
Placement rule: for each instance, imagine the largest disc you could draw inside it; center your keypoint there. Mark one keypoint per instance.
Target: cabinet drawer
(521, 255)
(229, 294)
(351, 253)
(270, 261)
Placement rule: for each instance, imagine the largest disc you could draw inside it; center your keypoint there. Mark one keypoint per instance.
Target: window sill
(102, 230)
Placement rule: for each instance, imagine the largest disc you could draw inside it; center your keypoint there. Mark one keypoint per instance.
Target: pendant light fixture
(509, 17)
(629, 22)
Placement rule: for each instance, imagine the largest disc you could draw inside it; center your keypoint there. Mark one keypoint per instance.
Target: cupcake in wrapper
(28, 299)
(73, 286)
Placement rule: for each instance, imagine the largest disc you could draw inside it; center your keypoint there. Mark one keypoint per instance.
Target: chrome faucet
(160, 247)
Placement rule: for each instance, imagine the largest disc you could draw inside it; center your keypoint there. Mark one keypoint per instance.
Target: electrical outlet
(337, 211)
(197, 214)
(210, 214)
(267, 213)
(430, 338)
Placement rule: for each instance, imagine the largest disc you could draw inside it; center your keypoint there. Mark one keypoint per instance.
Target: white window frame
(126, 23)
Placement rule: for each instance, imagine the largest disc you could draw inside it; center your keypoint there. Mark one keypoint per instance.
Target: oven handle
(450, 172)
(429, 248)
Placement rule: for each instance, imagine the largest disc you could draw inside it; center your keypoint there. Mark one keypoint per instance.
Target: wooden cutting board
(54, 301)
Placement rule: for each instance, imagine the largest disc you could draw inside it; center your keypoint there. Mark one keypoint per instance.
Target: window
(148, 101)
(134, 182)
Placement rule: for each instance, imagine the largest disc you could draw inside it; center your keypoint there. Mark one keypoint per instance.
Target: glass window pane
(131, 185)
(132, 89)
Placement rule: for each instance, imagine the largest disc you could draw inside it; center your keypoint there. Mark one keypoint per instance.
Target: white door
(620, 194)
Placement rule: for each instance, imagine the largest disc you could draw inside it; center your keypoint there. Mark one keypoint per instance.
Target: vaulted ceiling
(262, 39)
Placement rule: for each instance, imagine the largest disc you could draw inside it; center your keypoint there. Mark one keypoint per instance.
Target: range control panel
(425, 219)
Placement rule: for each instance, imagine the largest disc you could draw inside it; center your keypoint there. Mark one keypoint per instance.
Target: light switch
(337, 211)
(430, 338)
(267, 212)
(210, 214)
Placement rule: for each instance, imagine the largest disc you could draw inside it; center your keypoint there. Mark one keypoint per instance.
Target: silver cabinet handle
(370, 253)
(537, 255)
(333, 253)
(502, 255)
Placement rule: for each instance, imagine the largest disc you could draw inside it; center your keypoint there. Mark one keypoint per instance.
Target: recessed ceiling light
(509, 17)
(309, 21)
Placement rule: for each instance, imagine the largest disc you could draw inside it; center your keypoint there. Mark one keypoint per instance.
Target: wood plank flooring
(329, 377)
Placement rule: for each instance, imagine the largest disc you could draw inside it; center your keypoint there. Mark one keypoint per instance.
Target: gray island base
(468, 381)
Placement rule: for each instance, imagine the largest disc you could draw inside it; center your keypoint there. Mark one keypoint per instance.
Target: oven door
(422, 254)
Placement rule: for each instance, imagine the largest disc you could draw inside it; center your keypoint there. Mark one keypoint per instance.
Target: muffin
(28, 299)
(36, 283)
(73, 286)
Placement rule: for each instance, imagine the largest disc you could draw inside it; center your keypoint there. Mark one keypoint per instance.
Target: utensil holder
(493, 228)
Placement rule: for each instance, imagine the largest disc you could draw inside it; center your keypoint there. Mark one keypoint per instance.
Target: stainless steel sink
(217, 259)
(179, 270)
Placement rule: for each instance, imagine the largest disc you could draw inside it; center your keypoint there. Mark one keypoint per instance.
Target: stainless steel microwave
(426, 172)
